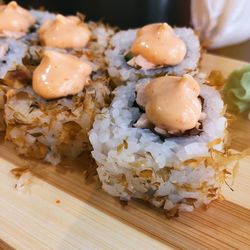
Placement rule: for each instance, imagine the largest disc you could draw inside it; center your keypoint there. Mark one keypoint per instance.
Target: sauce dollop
(60, 75)
(15, 21)
(171, 103)
(64, 32)
(158, 44)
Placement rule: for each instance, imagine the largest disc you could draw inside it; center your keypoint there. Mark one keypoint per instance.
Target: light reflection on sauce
(15, 21)
(60, 75)
(171, 103)
(158, 44)
(64, 32)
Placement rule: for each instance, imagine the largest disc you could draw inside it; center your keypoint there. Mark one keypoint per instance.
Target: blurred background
(135, 13)
(123, 13)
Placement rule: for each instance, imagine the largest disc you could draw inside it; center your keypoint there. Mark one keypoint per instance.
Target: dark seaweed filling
(4, 61)
(33, 28)
(128, 56)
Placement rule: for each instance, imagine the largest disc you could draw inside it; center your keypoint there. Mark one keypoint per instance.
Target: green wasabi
(237, 91)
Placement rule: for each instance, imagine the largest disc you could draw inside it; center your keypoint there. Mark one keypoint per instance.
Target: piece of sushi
(50, 130)
(121, 42)
(176, 172)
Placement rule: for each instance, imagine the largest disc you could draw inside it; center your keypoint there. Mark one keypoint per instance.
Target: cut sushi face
(14, 20)
(158, 45)
(137, 163)
(171, 104)
(117, 57)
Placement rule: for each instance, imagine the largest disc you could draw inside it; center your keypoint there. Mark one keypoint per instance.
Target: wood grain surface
(61, 210)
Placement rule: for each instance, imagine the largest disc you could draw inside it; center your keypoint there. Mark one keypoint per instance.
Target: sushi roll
(162, 140)
(153, 50)
(57, 85)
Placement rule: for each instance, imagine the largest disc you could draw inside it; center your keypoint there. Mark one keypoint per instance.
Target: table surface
(239, 51)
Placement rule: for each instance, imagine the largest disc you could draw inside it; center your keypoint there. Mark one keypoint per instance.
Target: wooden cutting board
(61, 210)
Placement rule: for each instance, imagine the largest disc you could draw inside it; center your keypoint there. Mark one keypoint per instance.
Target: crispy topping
(216, 79)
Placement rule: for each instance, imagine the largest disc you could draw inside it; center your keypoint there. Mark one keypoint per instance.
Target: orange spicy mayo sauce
(64, 32)
(60, 75)
(159, 45)
(171, 103)
(14, 20)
